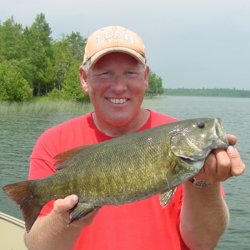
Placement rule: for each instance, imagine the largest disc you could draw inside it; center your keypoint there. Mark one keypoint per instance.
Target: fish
(122, 170)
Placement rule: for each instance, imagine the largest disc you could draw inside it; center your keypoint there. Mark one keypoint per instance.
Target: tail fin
(21, 193)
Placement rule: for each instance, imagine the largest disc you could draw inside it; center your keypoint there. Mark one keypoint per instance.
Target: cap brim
(93, 60)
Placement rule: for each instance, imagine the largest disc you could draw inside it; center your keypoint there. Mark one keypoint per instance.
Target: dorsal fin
(62, 159)
(64, 156)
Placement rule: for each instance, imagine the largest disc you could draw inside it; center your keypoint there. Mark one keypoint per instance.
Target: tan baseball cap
(113, 39)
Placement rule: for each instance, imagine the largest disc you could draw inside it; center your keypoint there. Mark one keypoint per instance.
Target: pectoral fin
(165, 197)
(80, 210)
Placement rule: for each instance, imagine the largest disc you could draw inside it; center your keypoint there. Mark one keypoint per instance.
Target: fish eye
(201, 125)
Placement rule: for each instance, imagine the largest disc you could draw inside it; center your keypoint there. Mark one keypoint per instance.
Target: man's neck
(116, 131)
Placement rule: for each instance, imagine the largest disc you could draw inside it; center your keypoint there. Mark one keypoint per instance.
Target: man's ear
(83, 79)
(146, 76)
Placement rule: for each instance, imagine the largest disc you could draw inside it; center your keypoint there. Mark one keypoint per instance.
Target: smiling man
(116, 85)
(115, 75)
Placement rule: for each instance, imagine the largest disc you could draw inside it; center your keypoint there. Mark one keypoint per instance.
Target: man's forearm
(204, 216)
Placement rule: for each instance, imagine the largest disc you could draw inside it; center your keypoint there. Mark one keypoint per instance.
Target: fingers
(237, 165)
(216, 167)
(232, 139)
(209, 170)
(221, 165)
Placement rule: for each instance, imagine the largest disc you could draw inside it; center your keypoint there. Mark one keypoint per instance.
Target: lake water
(21, 125)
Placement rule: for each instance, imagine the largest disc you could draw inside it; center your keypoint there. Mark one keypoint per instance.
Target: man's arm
(204, 213)
(53, 232)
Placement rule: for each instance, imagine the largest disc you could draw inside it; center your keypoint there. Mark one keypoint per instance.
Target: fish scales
(120, 176)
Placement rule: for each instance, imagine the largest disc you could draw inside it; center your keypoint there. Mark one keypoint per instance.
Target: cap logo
(118, 36)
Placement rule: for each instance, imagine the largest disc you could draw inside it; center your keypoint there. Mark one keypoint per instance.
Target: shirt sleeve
(42, 164)
(42, 157)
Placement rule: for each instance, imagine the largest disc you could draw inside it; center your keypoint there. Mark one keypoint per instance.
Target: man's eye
(131, 74)
(105, 75)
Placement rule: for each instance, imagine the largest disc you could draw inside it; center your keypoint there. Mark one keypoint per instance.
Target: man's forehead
(116, 57)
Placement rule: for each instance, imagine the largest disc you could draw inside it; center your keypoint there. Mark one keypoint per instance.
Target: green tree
(38, 51)
(10, 40)
(71, 87)
(62, 62)
(13, 87)
(155, 85)
(68, 54)
(47, 66)
(63, 59)
(77, 44)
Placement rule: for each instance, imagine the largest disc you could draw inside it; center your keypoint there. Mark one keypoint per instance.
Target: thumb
(64, 205)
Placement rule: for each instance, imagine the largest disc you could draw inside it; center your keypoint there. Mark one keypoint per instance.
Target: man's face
(116, 85)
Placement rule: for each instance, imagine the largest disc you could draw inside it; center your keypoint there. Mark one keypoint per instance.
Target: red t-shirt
(139, 225)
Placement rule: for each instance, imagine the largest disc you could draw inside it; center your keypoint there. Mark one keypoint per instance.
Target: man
(115, 75)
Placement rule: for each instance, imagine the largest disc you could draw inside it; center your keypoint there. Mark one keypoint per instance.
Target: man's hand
(222, 164)
(62, 207)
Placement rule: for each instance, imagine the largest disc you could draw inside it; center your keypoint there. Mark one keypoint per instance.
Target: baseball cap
(113, 39)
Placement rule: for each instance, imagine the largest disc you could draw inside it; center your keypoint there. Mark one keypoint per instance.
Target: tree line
(32, 64)
(219, 92)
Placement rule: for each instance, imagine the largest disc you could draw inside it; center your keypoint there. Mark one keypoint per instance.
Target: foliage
(37, 47)
(67, 52)
(71, 88)
(41, 66)
(13, 87)
(155, 85)
(10, 40)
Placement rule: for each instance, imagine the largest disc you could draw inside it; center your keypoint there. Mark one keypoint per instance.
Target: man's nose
(119, 84)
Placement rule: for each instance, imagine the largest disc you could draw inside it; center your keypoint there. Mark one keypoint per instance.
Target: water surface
(21, 125)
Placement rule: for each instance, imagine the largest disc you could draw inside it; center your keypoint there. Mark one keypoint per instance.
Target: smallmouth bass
(125, 169)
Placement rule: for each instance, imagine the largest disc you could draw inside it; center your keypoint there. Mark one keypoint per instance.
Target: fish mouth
(188, 160)
(195, 163)
(221, 142)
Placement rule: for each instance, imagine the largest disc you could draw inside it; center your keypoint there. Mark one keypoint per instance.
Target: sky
(189, 43)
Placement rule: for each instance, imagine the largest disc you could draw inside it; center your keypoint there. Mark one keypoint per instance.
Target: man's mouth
(117, 100)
